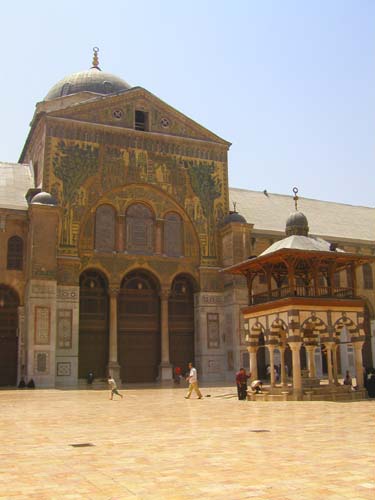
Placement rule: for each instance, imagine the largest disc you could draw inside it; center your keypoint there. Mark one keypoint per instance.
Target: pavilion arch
(93, 323)
(139, 326)
(9, 303)
(313, 329)
(278, 330)
(181, 320)
(257, 333)
(351, 328)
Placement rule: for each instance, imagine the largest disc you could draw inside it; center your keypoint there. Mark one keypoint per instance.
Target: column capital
(357, 344)
(295, 345)
(252, 348)
(311, 347)
(113, 291)
(165, 293)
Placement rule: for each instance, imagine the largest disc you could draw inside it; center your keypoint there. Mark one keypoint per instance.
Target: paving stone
(154, 444)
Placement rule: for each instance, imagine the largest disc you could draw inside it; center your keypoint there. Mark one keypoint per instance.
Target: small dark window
(65, 89)
(140, 122)
(15, 253)
(368, 282)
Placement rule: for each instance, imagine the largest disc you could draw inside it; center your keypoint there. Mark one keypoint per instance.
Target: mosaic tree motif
(73, 164)
(208, 188)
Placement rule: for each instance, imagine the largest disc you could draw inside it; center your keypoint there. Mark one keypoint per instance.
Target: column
(295, 347)
(271, 350)
(253, 362)
(159, 236)
(334, 360)
(358, 363)
(282, 367)
(310, 349)
(329, 347)
(165, 369)
(113, 366)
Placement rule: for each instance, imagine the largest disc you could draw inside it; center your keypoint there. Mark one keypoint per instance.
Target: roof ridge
(282, 195)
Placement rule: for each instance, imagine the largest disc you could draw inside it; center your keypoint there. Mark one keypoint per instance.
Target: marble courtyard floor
(154, 444)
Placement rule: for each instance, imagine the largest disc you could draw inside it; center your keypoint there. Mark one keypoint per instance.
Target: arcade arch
(181, 321)
(93, 324)
(9, 302)
(139, 327)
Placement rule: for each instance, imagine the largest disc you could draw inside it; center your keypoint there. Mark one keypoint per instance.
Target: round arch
(93, 324)
(139, 327)
(9, 302)
(181, 320)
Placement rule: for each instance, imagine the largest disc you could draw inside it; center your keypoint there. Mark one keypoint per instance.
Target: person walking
(113, 386)
(193, 382)
(241, 381)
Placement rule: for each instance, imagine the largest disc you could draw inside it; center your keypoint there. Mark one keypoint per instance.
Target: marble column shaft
(358, 363)
(253, 362)
(295, 347)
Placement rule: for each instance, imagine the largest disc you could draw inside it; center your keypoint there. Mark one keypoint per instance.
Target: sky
(290, 83)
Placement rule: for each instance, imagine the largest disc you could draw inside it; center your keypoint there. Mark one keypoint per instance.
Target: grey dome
(234, 217)
(91, 80)
(44, 198)
(297, 224)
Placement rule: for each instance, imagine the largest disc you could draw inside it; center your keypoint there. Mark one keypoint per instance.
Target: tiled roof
(297, 242)
(269, 212)
(15, 180)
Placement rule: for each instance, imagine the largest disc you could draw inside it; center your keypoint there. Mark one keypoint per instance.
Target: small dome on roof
(44, 198)
(92, 80)
(297, 224)
(234, 217)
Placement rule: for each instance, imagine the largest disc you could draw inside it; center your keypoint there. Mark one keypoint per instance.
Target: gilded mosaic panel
(80, 172)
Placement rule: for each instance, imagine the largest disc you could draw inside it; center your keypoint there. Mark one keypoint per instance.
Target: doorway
(9, 303)
(139, 327)
(181, 323)
(93, 325)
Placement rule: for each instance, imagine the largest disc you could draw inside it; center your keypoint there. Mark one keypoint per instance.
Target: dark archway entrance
(139, 328)
(9, 303)
(368, 362)
(261, 358)
(181, 322)
(93, 325)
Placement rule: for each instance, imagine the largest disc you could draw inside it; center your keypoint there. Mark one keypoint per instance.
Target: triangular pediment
(119, 111)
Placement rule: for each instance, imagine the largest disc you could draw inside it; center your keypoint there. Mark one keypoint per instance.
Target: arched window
(105, 228)
(173, 235)
(15, 253)
(139, 229)
(368, 282)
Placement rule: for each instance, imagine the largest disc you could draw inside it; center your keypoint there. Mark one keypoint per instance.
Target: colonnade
(331, 347)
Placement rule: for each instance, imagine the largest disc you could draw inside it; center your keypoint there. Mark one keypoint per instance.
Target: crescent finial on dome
(95, 58)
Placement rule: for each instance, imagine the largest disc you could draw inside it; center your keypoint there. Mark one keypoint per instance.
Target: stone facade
(130, 196)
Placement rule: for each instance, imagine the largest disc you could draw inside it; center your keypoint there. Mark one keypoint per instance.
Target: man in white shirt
(193, 382)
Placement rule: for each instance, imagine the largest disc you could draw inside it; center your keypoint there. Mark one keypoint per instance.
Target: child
(113, 386)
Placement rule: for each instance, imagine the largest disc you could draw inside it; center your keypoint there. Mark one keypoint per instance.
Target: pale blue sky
(290, 83)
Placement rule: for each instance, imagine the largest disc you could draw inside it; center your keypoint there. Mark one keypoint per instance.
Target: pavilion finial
(95, 59)
(295, 198)
(234, 206)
